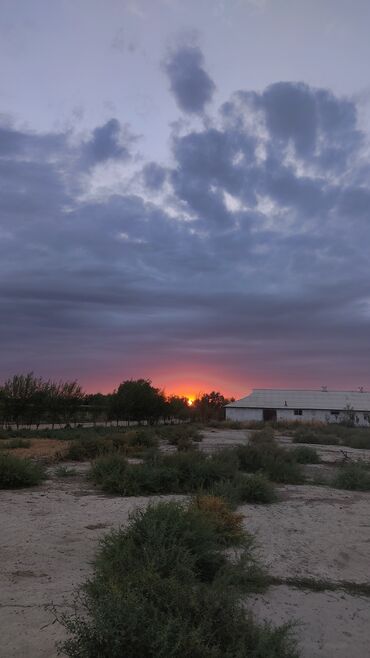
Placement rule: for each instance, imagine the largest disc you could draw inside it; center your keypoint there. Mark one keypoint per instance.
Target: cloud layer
(245, 254)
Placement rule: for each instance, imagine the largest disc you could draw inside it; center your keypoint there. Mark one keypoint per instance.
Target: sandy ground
(50, 534)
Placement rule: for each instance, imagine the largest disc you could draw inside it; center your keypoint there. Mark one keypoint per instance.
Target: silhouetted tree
(138, 400)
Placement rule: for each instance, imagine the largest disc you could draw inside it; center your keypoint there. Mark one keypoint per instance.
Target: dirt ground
(43, 449)
(50, 534)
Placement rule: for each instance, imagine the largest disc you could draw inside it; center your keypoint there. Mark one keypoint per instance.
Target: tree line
(30, 400)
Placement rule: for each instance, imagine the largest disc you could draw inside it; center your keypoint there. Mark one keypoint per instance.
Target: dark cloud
(189, 82)
(154, 175)
(107, 143)
(254, 256)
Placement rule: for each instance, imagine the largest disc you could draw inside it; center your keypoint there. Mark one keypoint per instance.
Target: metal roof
(304, 399)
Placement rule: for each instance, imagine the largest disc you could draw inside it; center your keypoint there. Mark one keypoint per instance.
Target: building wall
(244, 414)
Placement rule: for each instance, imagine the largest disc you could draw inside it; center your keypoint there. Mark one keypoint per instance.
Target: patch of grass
(164, 588)
(354, 477)
(16, 473)
(12, 444)
(64, 472)
(305, 455)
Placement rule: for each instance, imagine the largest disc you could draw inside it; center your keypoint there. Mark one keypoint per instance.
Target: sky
(185, 193)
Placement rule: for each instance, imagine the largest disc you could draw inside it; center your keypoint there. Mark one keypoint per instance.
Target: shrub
(255, 489)
(305, 455)
(226, 424)
(181, 433)
(12, 444)
(181, 472)
(163, 588)
(266, 435)
(316, 437)
(140, 438)
(276, 462)
(228, 524)
(16, 473)
(88, 448)
(355, 477)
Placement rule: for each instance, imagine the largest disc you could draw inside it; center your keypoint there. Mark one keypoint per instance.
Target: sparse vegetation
(277, 463)
(16, 473)
(315, 436)
(334, 434)
(305, 455)
(228, 524)
(164, 588)
(243, 488)
(354, 477)
(12, 444)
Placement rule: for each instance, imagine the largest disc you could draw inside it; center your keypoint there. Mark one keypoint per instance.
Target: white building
(306, 406)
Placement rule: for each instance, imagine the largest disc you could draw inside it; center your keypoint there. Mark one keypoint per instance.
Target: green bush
(182, 472)
(16, 473)
(277, 463)
(255, 489)
(243, 488)
(354, 477)
(190, 472)
(163, 588)
(305, 455)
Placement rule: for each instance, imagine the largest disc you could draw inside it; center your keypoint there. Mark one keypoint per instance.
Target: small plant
(354, 477)
(305, 455)
(64, 472)
(16, 473)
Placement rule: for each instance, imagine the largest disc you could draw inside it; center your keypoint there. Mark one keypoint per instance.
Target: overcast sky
(185, 192)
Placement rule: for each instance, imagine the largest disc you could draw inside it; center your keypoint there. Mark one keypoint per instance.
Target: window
(334, 413)
(298, 412)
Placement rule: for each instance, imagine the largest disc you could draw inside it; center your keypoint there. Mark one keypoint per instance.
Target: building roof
(265, 398)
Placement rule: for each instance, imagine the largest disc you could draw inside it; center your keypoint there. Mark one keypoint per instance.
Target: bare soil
(49, 536)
